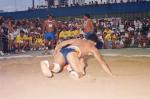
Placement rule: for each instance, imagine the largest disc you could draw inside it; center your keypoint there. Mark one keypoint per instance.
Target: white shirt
(130, 29)
(121, 28)
(148, 36)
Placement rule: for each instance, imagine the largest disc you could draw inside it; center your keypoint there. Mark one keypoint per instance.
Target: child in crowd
(21, 42)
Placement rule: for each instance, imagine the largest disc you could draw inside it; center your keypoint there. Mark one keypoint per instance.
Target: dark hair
(50, 15)
(21, 31)
(87, 15)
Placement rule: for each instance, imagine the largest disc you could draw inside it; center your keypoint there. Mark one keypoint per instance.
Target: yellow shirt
(108, 37)
(39, 40)
(63, 34)
(25, 37)
(108, 31)
(71, 33)
(20, 39)
(114, 37)
(76, 32)
(29, 38)
(68, 34)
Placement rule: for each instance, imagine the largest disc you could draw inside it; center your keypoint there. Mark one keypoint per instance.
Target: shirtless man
(49, 32)
(72, 52)
(88, 27)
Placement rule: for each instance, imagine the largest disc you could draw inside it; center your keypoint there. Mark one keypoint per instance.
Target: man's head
(64, 28)
(21, 33)
(86, 16)
(50, 17)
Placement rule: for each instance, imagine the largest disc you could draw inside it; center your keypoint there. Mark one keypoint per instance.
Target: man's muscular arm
(101, 61)
(44, 27)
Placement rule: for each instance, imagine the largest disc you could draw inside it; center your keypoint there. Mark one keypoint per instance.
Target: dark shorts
(65, 51)
(88, 35)
(91, 36)
(49, 36)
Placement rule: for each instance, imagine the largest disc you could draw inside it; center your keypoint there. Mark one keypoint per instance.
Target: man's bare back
(77, 42)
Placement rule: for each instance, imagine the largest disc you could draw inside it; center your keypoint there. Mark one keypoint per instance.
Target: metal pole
(33, 5)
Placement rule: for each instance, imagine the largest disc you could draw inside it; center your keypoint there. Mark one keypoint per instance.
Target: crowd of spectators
(96, 3)
(19, 36)
(103, 2)
(122, 33)
(70, 3)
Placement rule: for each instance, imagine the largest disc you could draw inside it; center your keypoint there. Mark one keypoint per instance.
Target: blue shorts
(49, 36)
(91, 36)
(88, 35)
(65, 51)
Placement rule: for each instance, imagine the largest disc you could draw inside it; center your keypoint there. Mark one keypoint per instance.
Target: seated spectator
(107, 38)
(21, 42)
(114, 39)
(108, 41)
(119, 43)
(144, 41)
(76, 32)
(30, 41)
(11, 42)
(39, 43)
(127, 41)
(63, 34)
(100, 42)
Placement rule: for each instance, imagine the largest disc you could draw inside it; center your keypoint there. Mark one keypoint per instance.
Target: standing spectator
(1, 43)
(5, 37)
(49, 28)
(88, 27)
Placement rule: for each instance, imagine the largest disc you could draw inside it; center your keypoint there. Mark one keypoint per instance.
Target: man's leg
(53, 39)
(25, 44)
(83, 66)
(76, 64)
(46, 42)
(17, 45)
(55, 67)
(58, 60)
(46, 46)
(53, 44)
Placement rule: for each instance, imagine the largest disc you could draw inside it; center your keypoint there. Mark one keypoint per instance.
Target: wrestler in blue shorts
(65, 51)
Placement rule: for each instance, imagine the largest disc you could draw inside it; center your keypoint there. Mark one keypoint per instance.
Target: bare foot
(45, 68)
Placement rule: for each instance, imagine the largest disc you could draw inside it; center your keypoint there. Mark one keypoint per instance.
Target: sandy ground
(22, 79)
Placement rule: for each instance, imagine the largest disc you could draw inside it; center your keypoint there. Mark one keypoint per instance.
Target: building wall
(108, 9)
